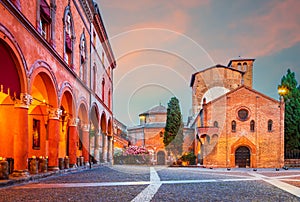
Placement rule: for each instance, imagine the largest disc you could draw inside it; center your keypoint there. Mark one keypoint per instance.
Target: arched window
(233, 126)
(214, 138)
(270, 125)
(109, 94)
(252, 126)
(83, 59)
(68, 37)
(216, 124)
(44, 19)
(239, 66)
(94, 78)
(201, 118)
(103, 90)
(245, 66)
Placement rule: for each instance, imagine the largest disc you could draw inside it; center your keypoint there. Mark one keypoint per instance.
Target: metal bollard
(78, 161)
(81, 161)
(67, 162)
(10, 165)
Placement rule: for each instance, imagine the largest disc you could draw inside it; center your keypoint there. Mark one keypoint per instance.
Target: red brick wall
(266, 147)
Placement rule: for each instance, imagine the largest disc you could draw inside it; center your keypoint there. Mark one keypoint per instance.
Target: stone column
(20, 132)
(85, 143)
(110, 149)
(53, 129)
(96, 148)
(104, 148)
(73, 138)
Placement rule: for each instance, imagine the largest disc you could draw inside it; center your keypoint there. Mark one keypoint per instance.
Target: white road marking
(148, 193)
(155, 183)
(279, 184)
(67, 185)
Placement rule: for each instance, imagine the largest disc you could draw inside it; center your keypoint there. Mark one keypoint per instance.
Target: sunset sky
(158, 45)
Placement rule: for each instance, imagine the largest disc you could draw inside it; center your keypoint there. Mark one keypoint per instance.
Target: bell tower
(245, 66)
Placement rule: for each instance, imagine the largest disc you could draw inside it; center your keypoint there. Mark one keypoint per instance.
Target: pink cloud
(276, 29)
(139, 5)
(177, 20)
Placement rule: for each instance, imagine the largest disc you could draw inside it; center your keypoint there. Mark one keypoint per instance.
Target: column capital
(55, 113)
(24, 102)
(85, 127)
(73, 122)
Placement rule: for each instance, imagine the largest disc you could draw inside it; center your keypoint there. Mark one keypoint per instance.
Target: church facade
(236, 126)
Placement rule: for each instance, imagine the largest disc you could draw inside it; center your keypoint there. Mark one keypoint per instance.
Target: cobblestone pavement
(141, 183)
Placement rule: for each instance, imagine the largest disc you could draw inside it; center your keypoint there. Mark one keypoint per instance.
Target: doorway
(242, 157)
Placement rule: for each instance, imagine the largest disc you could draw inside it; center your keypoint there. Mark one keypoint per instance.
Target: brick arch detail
(67, 90)
(10, 41)
(40, 67)
(243, 141)
(103, 123)
(82, 105)
(215, 77)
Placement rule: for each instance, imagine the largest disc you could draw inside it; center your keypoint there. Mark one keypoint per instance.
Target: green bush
(190, 157)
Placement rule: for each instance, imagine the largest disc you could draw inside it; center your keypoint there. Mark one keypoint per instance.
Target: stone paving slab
(88, 194)
(34, 177)
(222, 191)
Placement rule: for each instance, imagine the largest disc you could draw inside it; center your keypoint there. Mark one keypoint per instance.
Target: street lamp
(282, 91)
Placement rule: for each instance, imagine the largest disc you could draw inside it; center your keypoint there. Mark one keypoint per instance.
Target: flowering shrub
(136, 150)
(133, 155)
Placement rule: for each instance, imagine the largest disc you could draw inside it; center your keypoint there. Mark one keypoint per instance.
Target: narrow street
(141, 183)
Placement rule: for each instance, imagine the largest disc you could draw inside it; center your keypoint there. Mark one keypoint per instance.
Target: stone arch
(43, 70)
(109, 127)
(43, 90)
(243, 141)
(12, 53)
(13, 82)
(205, 139)
(83, 131)
(68, 123)
(94, 117)
(83, 110)
(95, 140)
(103, 123)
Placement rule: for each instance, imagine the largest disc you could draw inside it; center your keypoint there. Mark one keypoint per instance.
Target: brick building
(150, 134)
(121, 139)
(56, 82)
(236, 126)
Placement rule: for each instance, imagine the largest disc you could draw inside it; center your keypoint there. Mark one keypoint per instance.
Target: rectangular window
(45, 20)
(94, 39)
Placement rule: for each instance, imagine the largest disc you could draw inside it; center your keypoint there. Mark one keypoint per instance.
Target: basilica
(235, 125)
(232, 124)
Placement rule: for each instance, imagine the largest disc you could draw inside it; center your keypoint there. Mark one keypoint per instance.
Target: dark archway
(242, 157)
(161, 159)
